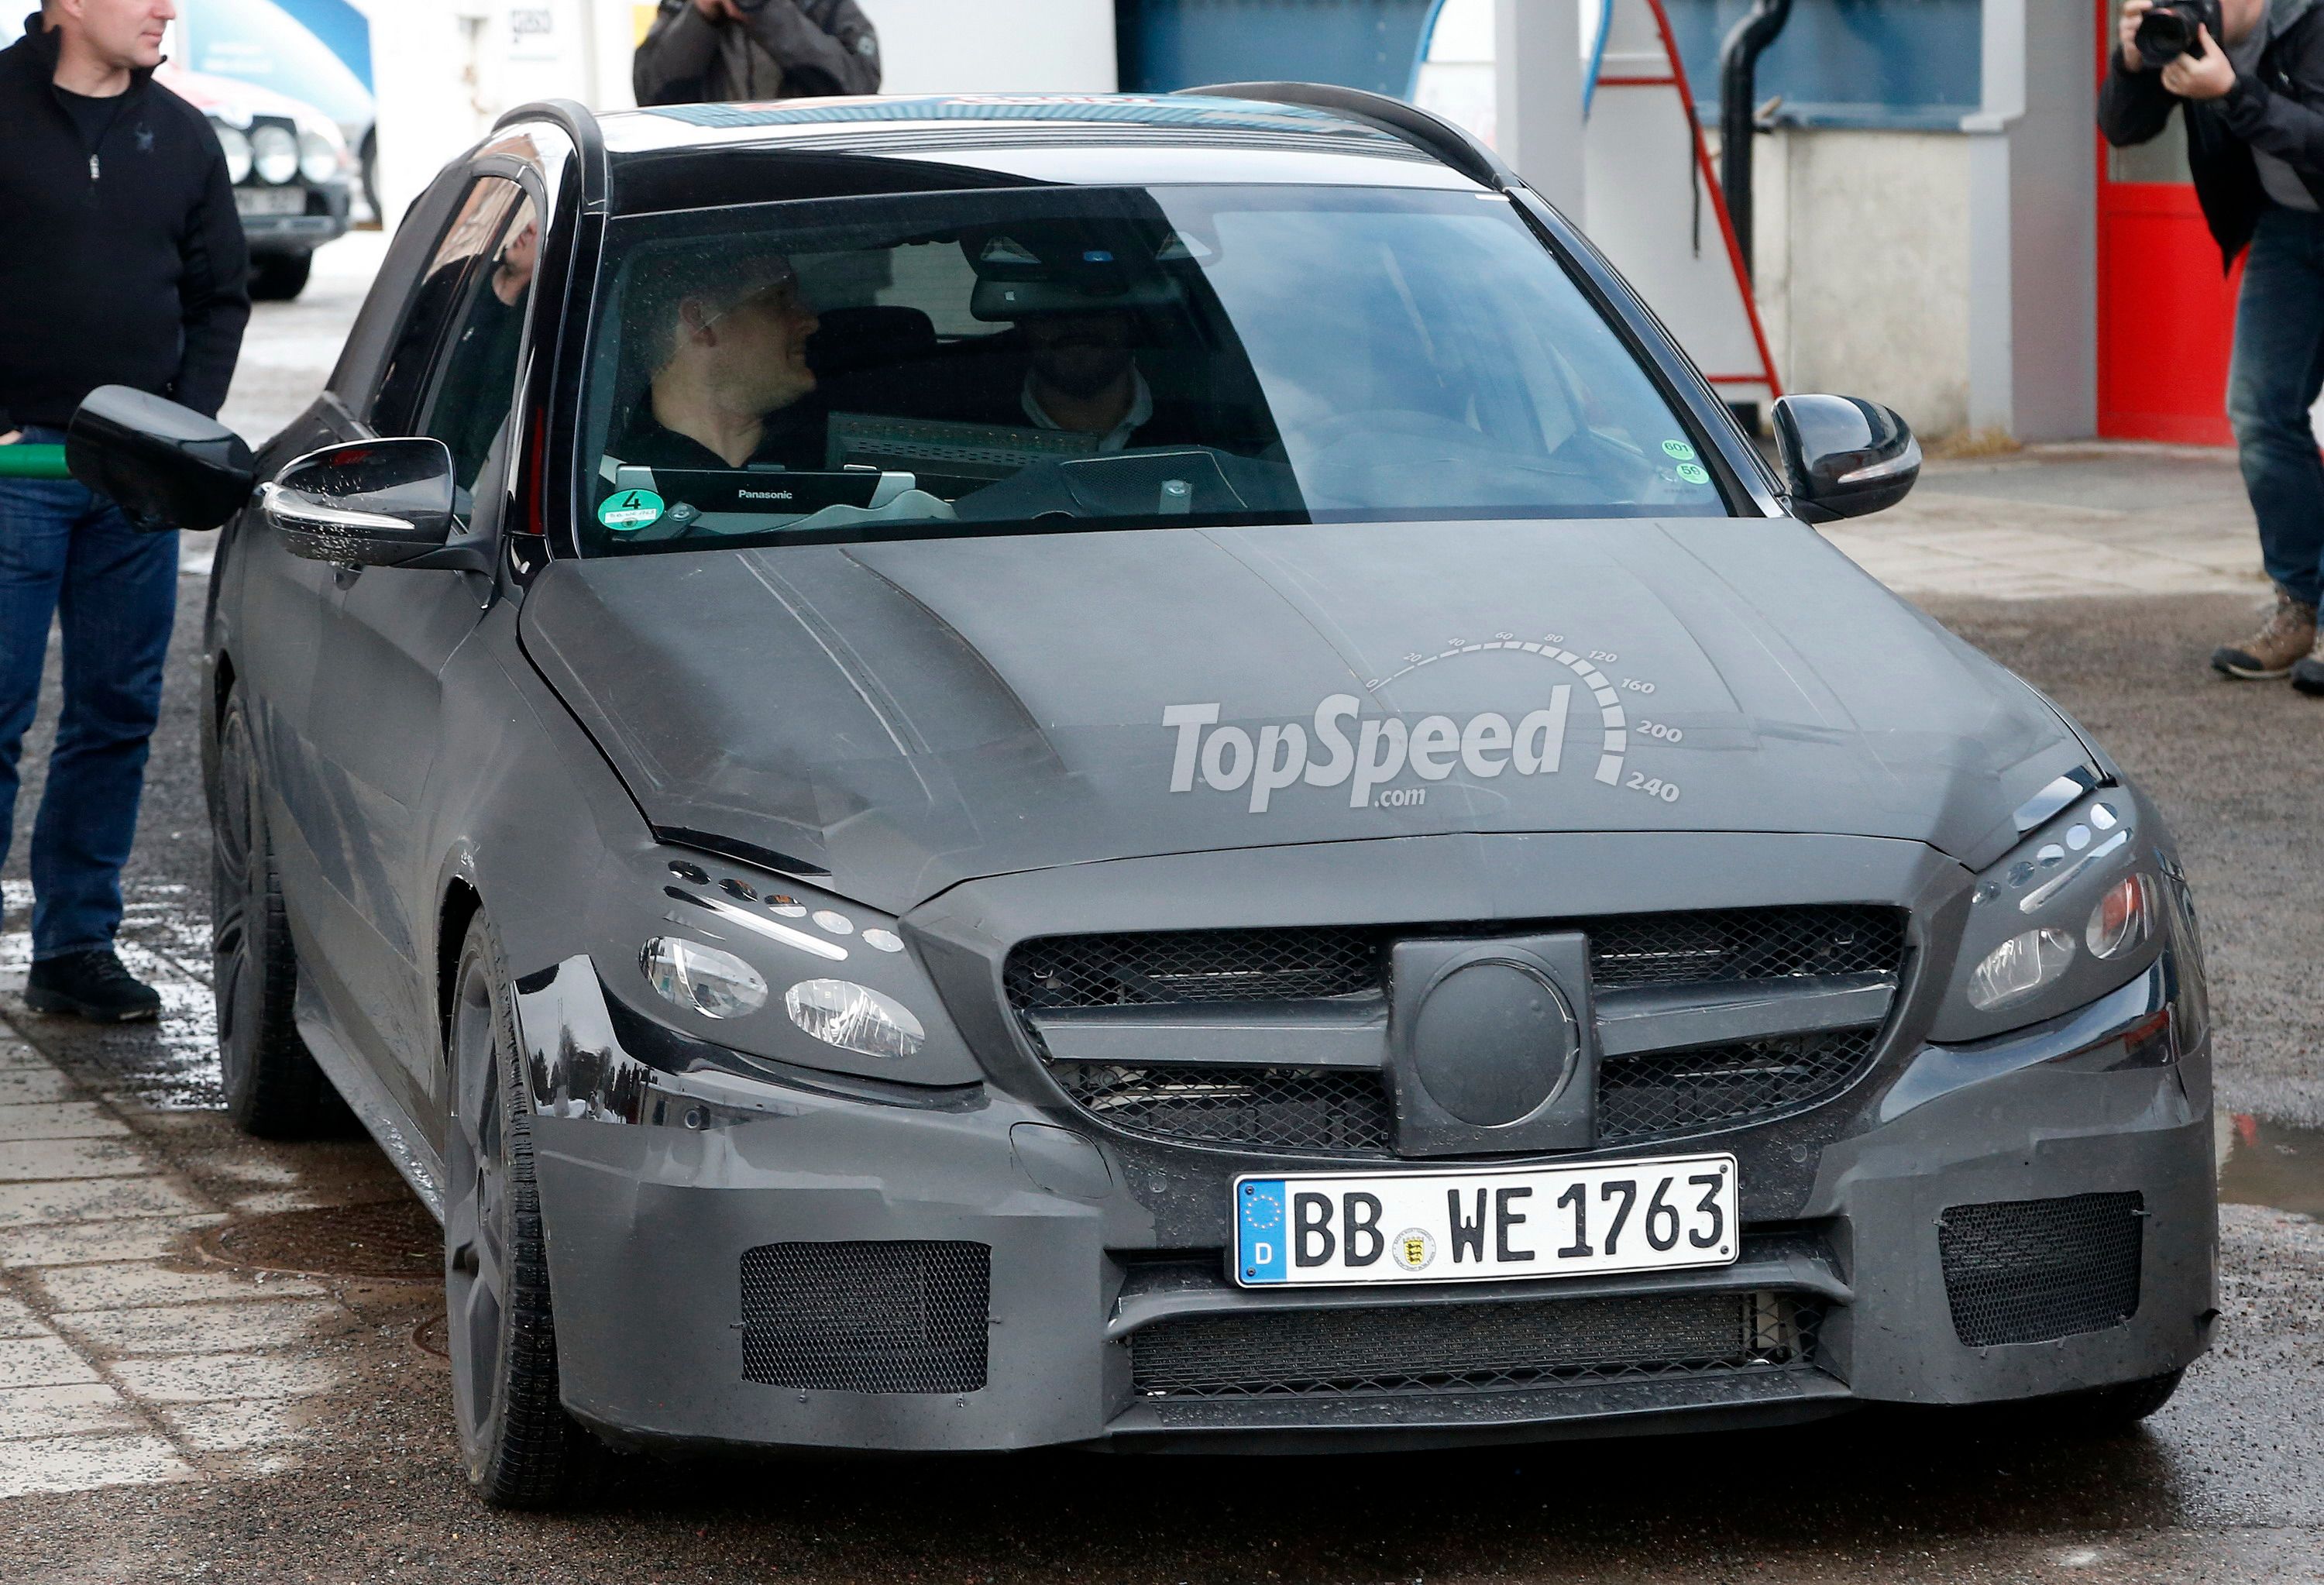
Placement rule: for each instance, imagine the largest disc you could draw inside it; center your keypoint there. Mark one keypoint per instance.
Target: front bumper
(326, 219)
(658, 1186)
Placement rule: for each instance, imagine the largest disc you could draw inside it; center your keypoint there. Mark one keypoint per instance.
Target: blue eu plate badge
(1259, 1224)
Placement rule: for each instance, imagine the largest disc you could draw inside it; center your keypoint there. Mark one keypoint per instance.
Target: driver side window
(445, 307)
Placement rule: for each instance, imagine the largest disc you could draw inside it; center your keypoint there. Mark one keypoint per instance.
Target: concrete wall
(1863, 267)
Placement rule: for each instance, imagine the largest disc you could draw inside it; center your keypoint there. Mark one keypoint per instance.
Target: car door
(388, 632)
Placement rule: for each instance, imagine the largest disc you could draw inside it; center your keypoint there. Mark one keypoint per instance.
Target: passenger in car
(1082, 374)
(727, 340)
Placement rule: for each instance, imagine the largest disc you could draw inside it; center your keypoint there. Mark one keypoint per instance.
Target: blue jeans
(2277, 371)
(68, 553)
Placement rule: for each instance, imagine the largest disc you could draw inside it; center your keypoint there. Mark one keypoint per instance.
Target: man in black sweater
(125, 265)
(727, 50)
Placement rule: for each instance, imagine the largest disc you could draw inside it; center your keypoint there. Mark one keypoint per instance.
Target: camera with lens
(2168, 31)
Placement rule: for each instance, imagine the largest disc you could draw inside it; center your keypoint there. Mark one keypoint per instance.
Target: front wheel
(522, 1450)
(273, 1087)
(277, 278)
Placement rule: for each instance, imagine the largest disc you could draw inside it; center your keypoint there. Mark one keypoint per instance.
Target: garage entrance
(2166, 316)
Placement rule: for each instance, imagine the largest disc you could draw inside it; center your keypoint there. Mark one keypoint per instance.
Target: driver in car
(731, 386)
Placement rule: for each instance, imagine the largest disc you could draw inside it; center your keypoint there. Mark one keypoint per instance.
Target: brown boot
(2288, 636)
(2308, 675)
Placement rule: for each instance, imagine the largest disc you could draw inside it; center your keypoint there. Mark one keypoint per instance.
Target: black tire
(273, 1087)
(277, 278)
(369, 159)
(522, 1450)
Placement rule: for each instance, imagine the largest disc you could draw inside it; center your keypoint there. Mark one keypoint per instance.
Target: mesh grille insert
(1715, 1086)
(1291, 1108)
(2030, 1271)
(1193, 965)
(1744, 944)
(900, 1316)
(1489, 1347)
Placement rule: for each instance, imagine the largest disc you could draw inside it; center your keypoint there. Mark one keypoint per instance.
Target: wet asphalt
(2226, 1484)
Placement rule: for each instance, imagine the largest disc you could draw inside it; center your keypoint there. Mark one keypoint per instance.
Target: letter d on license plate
(1486, 1226)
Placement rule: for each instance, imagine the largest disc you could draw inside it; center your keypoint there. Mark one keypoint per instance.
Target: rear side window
(437, 301)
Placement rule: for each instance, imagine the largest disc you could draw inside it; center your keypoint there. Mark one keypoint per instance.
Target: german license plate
(1486, 1226)
(270, 200)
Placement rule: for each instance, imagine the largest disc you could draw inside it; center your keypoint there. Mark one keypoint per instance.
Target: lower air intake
(2030, 1271)
(1489, 1347)
(886, 1316)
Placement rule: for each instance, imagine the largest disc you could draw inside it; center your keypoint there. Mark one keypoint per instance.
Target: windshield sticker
(1693, 474)
(1678, 450)
(1340, 746)
(630, 511)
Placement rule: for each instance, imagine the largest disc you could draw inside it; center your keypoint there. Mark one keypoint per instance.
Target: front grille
(901, 1316)
(2031, 1271)
(1267, 1108)
(1718, 1086)
(1343, 1112)
(1497, 1346)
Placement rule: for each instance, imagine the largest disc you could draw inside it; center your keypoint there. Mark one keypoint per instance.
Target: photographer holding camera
(2249, 78)
(699, 50)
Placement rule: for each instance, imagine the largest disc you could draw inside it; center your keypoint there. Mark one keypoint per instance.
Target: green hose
(32, 462)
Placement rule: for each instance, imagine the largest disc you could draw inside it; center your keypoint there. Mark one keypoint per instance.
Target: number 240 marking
(1654, 786)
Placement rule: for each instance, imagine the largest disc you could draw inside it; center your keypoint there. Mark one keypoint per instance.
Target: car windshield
(1086, 358)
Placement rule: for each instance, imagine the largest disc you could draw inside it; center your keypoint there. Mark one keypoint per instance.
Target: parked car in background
(292, 169)
(302, 51)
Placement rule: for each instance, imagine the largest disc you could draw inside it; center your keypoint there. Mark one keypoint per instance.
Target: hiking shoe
(92, 985)
(2288, 637)
(2308, 671)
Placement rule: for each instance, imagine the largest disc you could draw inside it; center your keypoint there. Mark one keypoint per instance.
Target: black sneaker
(92, 985)
(2308, 673)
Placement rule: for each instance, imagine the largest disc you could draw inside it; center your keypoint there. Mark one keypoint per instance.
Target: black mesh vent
(1744, 944)
(1289, 1108)
(1718, 1086)
(1193, 965)
(2029, 1271)
(887, 1316)
(1467, 1348)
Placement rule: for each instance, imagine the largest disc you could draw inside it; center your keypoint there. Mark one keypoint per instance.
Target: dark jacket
(783, 50)
(2278, 106)
(122, 264)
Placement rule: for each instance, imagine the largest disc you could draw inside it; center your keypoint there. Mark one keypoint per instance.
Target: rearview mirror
(1843, 457)
(367, 504)
(166, 466)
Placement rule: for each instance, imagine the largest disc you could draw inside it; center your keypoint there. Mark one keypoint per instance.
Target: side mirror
(386, 503)
(166, 466)
(1843, 457)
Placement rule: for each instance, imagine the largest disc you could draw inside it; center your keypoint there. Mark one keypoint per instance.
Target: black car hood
(914, 713)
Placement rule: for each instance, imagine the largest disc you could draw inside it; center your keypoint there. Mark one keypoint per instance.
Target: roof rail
(1454, 145)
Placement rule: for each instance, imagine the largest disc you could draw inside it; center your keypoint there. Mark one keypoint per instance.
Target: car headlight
(320, 157)
(2020, 966)
(274, 153)
(236, 144)
(716, 984)
(2070, 915)
(854, 1018)
(773, 972)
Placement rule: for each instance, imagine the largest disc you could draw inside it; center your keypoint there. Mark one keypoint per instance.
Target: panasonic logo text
(1341, 747)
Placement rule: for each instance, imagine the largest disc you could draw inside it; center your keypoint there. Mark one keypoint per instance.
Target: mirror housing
(386, 503)
(166, 466)
(1843, 457)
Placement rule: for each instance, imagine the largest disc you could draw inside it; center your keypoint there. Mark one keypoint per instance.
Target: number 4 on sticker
(627, 511)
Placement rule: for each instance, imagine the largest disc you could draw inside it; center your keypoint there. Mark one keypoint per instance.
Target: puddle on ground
(2269, 1164)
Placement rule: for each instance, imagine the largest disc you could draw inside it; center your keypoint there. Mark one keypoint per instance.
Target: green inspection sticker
(1693, 473)
(1678, 449)
(632, 508)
